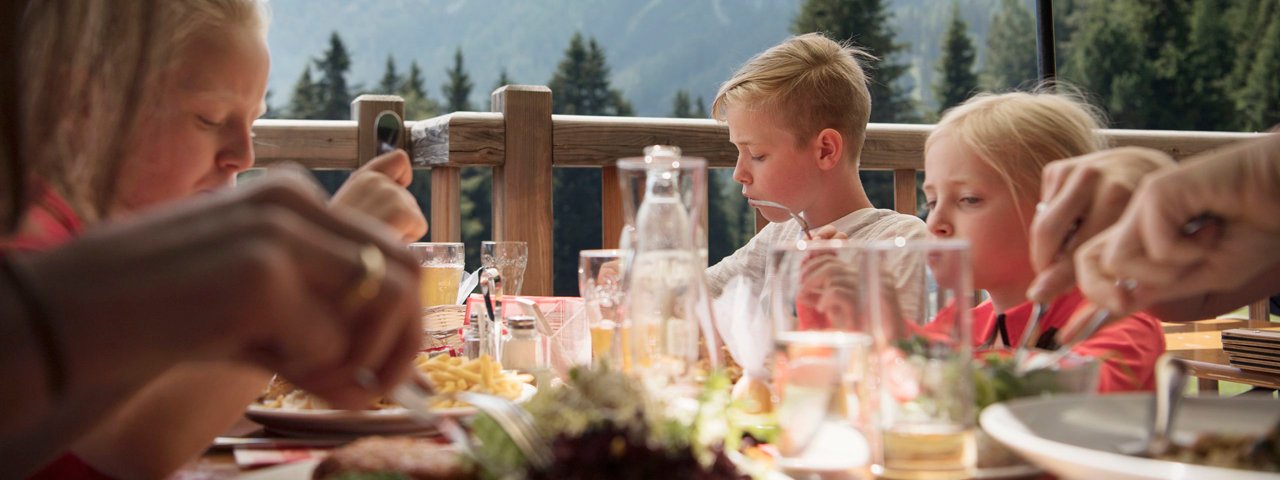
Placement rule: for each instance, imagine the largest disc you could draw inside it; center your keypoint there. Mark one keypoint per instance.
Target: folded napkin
(742, 324)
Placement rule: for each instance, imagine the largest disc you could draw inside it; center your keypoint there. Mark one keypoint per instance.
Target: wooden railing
(522, 141)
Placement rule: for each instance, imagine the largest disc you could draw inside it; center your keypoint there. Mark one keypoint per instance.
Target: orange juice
(440, 285)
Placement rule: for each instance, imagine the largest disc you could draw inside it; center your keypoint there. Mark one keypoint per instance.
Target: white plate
(1076, 437)
(391, 421)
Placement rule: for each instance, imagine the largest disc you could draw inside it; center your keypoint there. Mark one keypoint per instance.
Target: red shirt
(49, 222)
(1128, 348)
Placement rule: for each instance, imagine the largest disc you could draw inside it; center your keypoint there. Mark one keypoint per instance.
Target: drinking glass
(919, 298)
(600, 283)
(510, 258)
(821, 344)
(442, 266)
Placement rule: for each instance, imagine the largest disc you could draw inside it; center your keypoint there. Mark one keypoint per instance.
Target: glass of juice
(919, 295)
(600, 283)
(441, 266)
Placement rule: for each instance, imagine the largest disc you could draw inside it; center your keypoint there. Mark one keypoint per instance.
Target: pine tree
(1011, 51)
(956, 80)
(1205, 69)
(700, 110)
(681, 107)
(1259, 101)
(579, 86)
(477, 182)
(1108, 60)
(305, 103)
(391, 80)
(457, 88)
(334, 96)
(414, 91)
(503, 80)
(866, 23)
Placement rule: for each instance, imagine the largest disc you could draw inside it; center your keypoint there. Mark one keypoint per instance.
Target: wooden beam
(446, 204)
(311, 143)
(522, 184)
(904, 191)
(459, 138)
(612, 217)
(365, 110)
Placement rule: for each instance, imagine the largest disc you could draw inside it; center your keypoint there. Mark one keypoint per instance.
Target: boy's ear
(830, 145)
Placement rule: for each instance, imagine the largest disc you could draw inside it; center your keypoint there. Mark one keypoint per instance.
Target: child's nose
(938, 226)
(740, 174)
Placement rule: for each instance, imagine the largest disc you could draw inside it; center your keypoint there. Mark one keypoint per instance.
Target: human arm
(260, 275)
(378, 190)
(1239, 185)
(1080, 197)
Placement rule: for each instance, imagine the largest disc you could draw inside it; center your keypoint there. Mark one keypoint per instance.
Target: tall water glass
(441, 267)
(510, 258)
(821, 344)
(600, 283)
(919, 297)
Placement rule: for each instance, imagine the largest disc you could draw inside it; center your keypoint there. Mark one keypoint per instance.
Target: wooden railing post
(611, 215)
(904, 191)
(365, 110)
(446, 204)
(522, 184)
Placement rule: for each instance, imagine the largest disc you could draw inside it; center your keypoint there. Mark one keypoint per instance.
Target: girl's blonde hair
(1018, 133)
(90, 70)
(811, 82)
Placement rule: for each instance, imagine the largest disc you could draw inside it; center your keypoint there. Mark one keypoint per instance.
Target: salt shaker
(526, 350)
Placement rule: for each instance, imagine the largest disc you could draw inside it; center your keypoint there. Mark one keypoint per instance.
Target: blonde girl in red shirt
(983, 166)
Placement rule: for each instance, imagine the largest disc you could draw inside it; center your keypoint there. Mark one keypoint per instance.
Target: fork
(804, 224)
(417, 393)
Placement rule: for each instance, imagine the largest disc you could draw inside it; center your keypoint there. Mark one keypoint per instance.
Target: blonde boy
(798, 114)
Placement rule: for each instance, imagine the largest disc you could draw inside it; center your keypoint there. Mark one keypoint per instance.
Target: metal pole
(1046, 63)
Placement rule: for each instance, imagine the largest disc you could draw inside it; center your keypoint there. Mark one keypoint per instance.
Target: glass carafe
(667, 305)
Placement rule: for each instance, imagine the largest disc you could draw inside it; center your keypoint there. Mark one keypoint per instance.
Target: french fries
(482, 375)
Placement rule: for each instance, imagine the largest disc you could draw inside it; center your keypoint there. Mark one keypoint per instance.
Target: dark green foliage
(335, 98)
(956, 80)
(579, 86)
(457, 89)
(1011, 48)
(417, 104)
(865, 23)
(391, 80)
(305, 103)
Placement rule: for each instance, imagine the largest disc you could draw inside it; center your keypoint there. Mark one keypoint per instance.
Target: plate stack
(1253, 349)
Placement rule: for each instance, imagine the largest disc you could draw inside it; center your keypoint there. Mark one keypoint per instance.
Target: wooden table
(1201, 347)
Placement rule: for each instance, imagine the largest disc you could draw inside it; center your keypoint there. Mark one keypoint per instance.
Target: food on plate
(413, 458)
(1245, 452)
(447, 374)
(602, 424)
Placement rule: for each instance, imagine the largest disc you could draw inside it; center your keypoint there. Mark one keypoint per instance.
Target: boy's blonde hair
(812, 83)
(1018, 133)
(89, 71)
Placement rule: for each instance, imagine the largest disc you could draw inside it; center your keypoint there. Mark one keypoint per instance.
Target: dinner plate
(343, 423)
(1077, 437)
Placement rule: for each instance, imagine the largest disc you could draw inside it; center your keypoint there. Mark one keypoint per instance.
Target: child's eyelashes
(206, 121)
(970, 201)
(757, 158)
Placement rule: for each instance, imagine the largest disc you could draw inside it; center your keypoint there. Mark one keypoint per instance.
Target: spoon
(1171, 380)
(799, 219)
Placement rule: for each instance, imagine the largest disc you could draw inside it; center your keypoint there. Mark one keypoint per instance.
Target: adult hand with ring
(1079, 198)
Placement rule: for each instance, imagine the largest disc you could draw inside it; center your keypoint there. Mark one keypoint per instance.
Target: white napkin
(743, 326)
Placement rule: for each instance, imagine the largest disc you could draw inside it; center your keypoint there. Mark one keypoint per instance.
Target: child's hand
(828, 232)
(378, 189)
(1080, 197)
